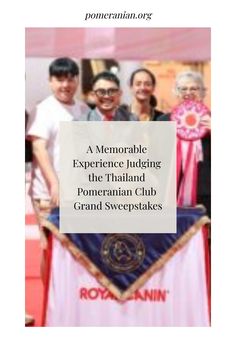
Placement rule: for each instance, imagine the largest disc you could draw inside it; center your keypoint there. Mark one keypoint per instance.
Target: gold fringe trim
(180, 243)
(103, 280)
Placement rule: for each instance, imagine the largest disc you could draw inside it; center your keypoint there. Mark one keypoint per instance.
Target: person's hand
(206, 121)
(54, 193)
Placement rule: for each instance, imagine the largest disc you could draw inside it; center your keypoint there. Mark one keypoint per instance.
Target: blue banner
(125, 261)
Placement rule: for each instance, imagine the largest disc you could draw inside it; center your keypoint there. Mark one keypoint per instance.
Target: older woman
(189, 85)
(142, 85)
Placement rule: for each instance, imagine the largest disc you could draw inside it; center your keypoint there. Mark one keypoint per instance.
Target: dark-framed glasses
(109, 92)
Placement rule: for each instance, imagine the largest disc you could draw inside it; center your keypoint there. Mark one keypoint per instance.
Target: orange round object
(190, 120)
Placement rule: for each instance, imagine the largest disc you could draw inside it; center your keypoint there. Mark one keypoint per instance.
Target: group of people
(43, 124)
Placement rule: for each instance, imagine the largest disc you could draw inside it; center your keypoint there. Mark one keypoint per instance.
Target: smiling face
(142, 86)
(64, 88)
(188, 89)
(106, 95)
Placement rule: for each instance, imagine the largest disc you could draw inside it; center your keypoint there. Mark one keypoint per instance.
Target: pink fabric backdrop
(184, 44)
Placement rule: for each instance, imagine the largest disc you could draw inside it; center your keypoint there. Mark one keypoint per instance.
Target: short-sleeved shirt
(44, 123)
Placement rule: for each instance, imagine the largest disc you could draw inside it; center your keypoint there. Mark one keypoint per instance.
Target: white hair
(190, 75)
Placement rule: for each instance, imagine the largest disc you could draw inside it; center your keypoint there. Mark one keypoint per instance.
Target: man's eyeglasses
(109, 92)
(193, 89)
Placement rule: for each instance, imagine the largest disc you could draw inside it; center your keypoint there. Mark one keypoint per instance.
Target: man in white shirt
(43, 131)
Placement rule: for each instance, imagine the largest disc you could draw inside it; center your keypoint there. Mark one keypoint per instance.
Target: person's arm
(206, 121)
(41, 154)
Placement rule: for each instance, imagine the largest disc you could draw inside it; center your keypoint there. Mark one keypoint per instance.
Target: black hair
(63, 67)
(106, 75)
(153, 101)
(153, 79)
